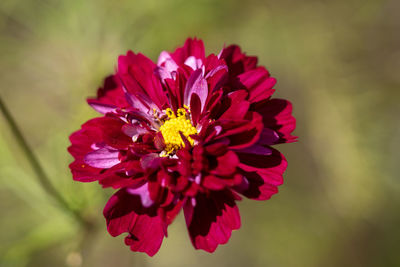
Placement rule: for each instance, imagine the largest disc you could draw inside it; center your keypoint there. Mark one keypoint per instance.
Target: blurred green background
(337, 61)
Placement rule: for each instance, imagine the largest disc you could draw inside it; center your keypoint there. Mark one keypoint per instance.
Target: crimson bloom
(190, 132)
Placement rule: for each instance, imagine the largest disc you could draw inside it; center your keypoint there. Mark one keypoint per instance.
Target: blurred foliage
(337, 61)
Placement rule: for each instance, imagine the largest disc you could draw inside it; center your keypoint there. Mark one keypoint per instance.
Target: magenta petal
(102, 158)
(259, 83)
(124, 212)
(211, 218)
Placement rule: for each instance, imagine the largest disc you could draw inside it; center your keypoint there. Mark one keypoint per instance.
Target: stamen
(172, 126)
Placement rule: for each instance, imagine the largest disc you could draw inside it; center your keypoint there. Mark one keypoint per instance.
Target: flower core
(173, 126)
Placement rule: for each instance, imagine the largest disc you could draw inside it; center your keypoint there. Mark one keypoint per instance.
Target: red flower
(190, 132)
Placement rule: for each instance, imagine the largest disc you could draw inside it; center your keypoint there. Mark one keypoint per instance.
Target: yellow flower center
(175, 124)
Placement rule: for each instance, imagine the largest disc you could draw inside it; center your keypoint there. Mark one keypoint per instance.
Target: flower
(191, 133)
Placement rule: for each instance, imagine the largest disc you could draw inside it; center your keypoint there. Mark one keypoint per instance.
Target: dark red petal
(195, 108)
(124, 174)
(81, 144)
(263, 173)
(110, 84)
(169, 212)
(84, 173)
(277, 115)
(109, 97)
(242, 133)
(211, 218)
(116, 181)
(112, 133)
(125, 212)
(237, 61)
(236, 104)
(192, 47)
(226, 164)
(256, 149)
(213, 183)
(137, 74)
(216, 72)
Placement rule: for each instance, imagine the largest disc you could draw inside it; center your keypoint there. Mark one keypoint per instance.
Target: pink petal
(193, 63)
(102, 158)
(196, 84)
(101, 107)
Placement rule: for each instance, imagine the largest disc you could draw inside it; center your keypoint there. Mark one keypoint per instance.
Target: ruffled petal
(112, 133)
(143, 86)
(242, 133)
(128, 211)
(82, 142)
(262, 174)
(109, 97)
(192, 47)
(237, 61)
(259, 84)
(211, 218)
(277, 115)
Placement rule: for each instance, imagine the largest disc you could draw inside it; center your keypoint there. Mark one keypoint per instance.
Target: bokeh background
(337, 61)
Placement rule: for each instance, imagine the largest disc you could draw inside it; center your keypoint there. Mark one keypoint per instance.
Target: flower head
(190, 132)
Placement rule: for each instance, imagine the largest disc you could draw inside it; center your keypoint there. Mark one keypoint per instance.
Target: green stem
(37, 168)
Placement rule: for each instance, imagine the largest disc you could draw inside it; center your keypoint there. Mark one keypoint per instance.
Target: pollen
(175, 123)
